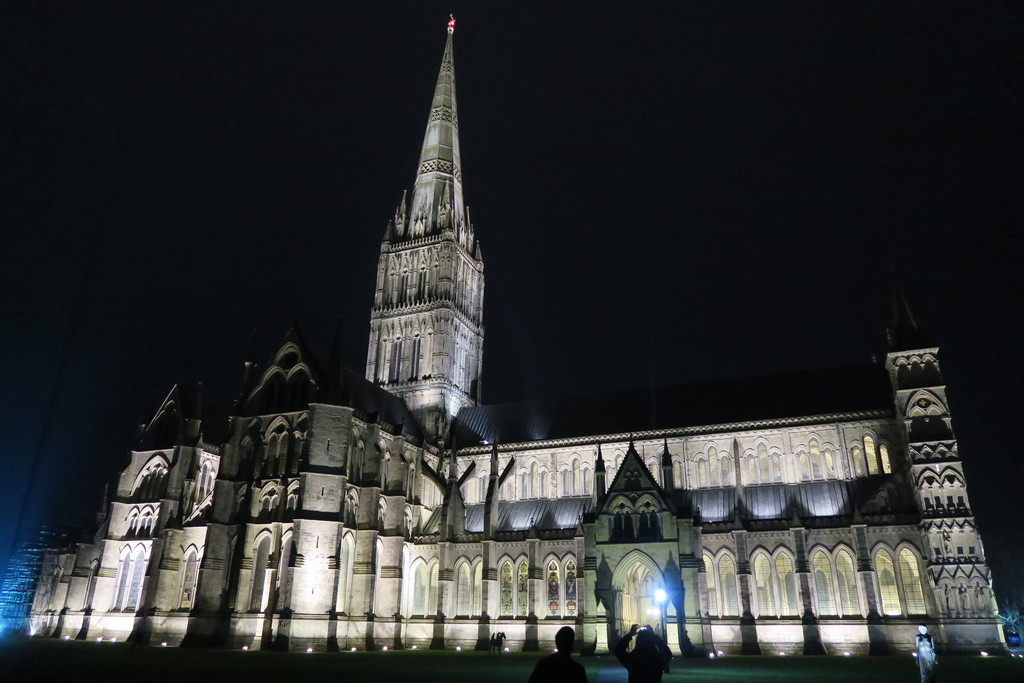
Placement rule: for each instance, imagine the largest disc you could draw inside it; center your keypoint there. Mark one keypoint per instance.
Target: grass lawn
(37, 659)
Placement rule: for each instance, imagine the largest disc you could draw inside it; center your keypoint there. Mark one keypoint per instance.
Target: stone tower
(426, 325)
(957, 572)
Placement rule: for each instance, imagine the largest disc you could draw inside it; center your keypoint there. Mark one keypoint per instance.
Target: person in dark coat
(649, 658)
(560, 667)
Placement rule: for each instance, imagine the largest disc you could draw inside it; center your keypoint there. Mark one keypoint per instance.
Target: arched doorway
(635, 580)
(638, 603)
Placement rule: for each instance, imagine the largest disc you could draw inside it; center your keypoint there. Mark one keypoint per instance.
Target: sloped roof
(375, 400)
(562, 513)
(795, 394)
(809, 499)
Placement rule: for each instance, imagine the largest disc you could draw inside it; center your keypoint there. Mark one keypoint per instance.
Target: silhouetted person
(926, 658)
(497, 643)
(649, 657)
(560, 667)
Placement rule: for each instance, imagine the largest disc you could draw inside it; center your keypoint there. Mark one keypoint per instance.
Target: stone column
(812, 634)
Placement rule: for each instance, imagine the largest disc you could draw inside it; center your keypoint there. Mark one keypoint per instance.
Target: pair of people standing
(646, 662)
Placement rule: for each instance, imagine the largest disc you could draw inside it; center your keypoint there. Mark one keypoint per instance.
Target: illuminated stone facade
(816, 512)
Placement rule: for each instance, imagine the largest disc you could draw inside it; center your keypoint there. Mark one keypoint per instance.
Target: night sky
(705, 190)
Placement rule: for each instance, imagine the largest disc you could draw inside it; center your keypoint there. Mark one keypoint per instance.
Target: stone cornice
(697, 430)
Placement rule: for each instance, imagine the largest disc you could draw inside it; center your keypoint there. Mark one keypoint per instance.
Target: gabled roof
(795, 394)
(337, 384)
(633, 477)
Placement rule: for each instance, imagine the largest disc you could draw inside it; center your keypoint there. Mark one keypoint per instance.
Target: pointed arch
(887, 588)
(727, 585)
(711, 582)
(788, 602)
(910, 578)
(846, 575)
(821, 569)
(764, 589)
(189, 579)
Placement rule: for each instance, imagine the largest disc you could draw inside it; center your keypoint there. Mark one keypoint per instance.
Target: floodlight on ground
(99, 640)
(984, 654)
(352, 650)
(414, 647)
(711, 655)
(660, 596)
(846, 654)
(721, 654)
(782, 654)
(67, 637)
(506, 649)
(309, 650)
(113, 640)
(384, 649)
(245, 647)
(458, 648)
(163, 644)
(915, 654)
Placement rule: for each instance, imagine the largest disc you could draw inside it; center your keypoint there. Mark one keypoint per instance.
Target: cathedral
(818, 512)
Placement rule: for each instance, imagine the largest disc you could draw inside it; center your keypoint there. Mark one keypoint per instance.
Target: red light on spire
(451, 23)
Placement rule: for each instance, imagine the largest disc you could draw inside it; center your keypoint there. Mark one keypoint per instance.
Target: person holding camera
(648, 659)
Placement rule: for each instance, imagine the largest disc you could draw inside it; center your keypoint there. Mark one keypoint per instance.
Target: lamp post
(660, 596)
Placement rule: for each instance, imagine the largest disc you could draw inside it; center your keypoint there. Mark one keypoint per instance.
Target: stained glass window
(787, 587)
(554, 594)
(188, 582)
(507, 588)
(887, 584)
(869, 452)
(911, 577)
(570, 588)
(848, 599)
(727, 581)
(763, 581)
(822, 570)
(523, 589)
(709, 578)
(135, 587)
(883, 453)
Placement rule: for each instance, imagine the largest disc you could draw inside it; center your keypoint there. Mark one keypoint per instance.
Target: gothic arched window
(727, 584)
(261, 556)
(570, 587)
(763, 582)
(189, 579)
(709, 579)
(869, 453)
(883, 455)
(523, 589)
(910, 577)
(554, 589)
(888, 591)
(463, 591)
(788, 604)
(823, 586)
(849, 601)
(506, 589)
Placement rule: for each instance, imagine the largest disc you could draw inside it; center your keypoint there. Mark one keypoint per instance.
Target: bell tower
(426, 325)
(957, 572)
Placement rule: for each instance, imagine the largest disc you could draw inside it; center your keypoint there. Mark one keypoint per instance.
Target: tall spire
(902, 332)
(437, 193)
(426, 326)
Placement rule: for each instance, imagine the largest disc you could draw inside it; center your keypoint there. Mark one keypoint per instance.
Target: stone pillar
(812, 634)
(748, 626)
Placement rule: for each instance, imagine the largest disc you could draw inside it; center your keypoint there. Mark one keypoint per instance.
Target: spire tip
(451, 23)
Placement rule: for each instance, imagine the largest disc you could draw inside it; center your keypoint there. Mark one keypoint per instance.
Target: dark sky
(696, 191)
